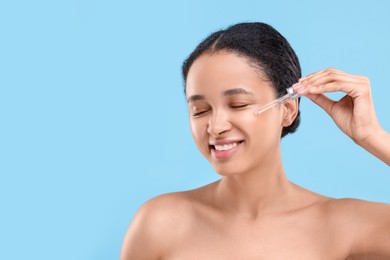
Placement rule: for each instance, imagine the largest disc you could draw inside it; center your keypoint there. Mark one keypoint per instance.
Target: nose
(218, 124)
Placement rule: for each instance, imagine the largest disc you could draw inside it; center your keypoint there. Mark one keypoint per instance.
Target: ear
(290, 111)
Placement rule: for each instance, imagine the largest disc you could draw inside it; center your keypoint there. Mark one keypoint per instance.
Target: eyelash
(199, 113)
(239, 106)
(232, 106)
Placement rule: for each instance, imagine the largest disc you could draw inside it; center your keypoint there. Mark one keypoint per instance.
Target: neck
(259, 191)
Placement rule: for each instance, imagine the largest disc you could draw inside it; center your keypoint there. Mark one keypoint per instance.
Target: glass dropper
(290, 94)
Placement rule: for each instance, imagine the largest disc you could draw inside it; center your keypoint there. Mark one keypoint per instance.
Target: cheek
(263, 126)
(194, 129)
(198, 131)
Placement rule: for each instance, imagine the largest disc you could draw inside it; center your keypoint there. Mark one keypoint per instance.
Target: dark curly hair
(264, 47)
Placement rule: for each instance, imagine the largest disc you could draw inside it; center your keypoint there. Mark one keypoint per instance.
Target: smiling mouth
(225, 147)
(224, 150)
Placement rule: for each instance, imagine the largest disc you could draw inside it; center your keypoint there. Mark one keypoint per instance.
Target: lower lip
(224, 154)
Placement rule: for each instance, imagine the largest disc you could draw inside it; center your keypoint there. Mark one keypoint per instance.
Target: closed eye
(239, 106)
(198, 114)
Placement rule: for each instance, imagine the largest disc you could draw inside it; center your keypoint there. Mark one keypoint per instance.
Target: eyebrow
(227, 93)
(236, 91)
(194, 98)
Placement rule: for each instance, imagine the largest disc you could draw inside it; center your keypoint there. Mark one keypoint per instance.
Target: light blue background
(94, 122)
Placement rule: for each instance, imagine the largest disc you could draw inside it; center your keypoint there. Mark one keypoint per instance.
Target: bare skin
(254, 212)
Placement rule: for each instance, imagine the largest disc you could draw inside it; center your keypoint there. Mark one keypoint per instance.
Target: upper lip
(222, 142)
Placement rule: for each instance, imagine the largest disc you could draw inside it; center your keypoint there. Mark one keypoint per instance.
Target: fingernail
(297, 86)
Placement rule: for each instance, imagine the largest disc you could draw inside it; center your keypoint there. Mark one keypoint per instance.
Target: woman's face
(223, 91)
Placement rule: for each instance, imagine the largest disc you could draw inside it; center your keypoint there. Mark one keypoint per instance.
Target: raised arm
(354, 114)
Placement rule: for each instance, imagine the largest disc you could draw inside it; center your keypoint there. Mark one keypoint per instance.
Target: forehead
(219, 71)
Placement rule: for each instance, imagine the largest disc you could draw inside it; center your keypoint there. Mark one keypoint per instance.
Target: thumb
(323, 101)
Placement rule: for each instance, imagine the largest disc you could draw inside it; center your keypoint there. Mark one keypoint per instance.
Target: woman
(253, 211)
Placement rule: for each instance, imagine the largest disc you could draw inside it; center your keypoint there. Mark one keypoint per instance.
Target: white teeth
(225, 147)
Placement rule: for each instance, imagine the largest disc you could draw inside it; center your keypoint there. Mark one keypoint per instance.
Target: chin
(228, 169)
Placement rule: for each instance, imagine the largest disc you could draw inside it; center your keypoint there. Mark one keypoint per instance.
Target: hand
(354, 114)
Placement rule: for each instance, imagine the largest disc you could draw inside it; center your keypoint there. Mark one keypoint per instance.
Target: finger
(332, 80)
(329, 75)
(323, 85)
(319, 73)
(352, 89)
(323, 101)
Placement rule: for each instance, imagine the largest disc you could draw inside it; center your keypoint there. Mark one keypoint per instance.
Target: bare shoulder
(165, 204)
(173, 206)
(356, 209)
(356, 213)
(365, 224)
(157, 224)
